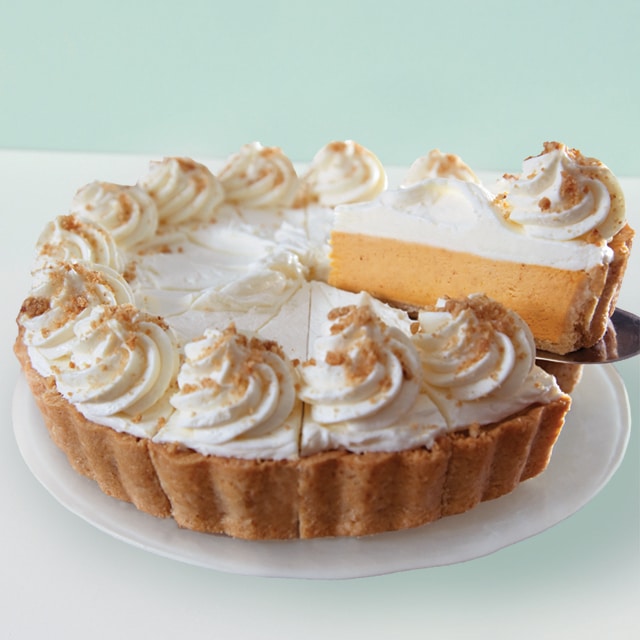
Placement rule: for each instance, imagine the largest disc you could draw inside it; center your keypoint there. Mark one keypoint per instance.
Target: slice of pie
(551, 244)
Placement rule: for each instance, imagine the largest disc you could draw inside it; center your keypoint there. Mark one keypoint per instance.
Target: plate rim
(82, 497)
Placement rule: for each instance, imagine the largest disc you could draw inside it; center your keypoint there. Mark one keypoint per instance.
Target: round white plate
(589, 450)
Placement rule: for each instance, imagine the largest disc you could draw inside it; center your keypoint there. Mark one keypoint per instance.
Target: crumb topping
(444, 164)
(70, 224)
(35, 306)
(69, 297)
(343, 317)
(197, 173)
(130, 271)
(360, 367)
(570, 191)
(574, 154)
(491, 317)
(544, 204)
(267, 152)
(199, 182)
(359, 364)
(132, 319)
(126, 208)
(486, 310)
(502, 204)
(338, 146)
(255, 352)
(163, 248)
(187, 164)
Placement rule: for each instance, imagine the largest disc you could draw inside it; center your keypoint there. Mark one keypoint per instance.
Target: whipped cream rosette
(363, 385)
(263, 283)
(478, 361)
(182, 190)
(123, 365)
(259, 177)
(62, 294)
(563, 195)
(236, 398)
(437, 164)
(128, 212)
(68, 238)
(462, 216)
(344, 172)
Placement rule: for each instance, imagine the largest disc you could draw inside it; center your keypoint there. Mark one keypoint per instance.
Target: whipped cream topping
(264, 283)
(213, 269)
(259, 177)
(121, 370)
(439, 165)
(62, 294)
(128, 212)
(344, 172)
(237, 397)
(182, 190)
(478, 361)
(303, 230)
(68, 238)
(368, 383)
(363, 383)
(562, 195)
(462, 216)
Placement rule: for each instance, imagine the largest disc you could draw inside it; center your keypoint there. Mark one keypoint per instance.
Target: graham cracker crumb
(544, 204)
(33, 307)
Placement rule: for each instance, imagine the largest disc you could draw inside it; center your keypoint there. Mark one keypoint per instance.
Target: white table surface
(62, 578)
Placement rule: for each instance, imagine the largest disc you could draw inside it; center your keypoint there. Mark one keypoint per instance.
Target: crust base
(334, 493)
(118, 462)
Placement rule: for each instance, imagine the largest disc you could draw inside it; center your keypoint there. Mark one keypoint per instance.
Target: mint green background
(490, 80)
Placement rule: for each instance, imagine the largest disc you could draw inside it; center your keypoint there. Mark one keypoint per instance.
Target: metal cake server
(621, 341)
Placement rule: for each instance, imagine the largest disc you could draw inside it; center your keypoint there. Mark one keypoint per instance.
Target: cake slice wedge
(552, 245)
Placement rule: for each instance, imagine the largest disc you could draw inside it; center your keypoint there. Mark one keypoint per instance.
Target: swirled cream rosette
(563, 195)
(437, 164)
(478, 361)
(127, 212)
(344, 172)
(62, 294)
(121, 372)
(182, 190)
(259, 177)
(363, 387)
(68, 238)
(236, 398)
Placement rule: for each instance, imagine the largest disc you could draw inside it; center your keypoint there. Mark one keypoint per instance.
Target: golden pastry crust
(118, 462)
(333, 493)
(589, 325)
(250, 499)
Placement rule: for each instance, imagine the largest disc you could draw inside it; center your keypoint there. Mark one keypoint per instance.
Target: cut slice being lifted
(551, 245)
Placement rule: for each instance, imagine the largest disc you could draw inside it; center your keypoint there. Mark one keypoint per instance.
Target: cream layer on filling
(560, 212)
(253, 355)
(462, 217)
